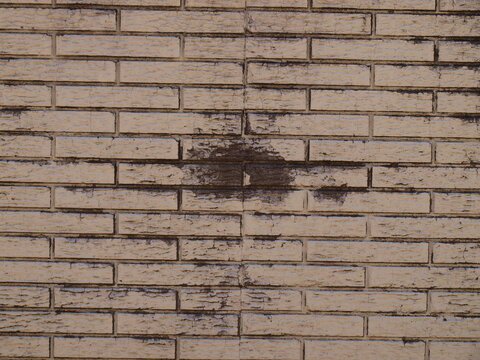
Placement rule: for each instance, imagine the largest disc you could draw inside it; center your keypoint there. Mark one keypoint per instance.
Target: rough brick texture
(240, 179)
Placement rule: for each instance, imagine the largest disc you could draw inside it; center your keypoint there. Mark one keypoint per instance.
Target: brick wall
(240, 179)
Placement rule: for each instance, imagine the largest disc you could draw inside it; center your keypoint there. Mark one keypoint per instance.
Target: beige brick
(343, 201)
(304, 225)
(216, 3)
(307, 124)
(57, 70)
(458, 102)
(53, 222)
(221, 250)
(371, 49)
(424, 277)
(370, 151)
(55, 322)
(462, 51)
(24, 95)
(180, 123)
(123, 2)
(213, 349)
(55, 272)
(178, 274)
(57, 19)
(122, 97)
(465, 203)
(275, 99)
(118, 45)
(178, 324)
(367, 251)
(25, 146)
(24, 247)
(31, 346)
(306, 23)
(456, 253)
(303, 325)
(423, 326)
(366, 301)
(117, 248)
(214, 47)
(427, 177)
(56, 171)
(451, 350)
(278, 3)
(427, 25)
(426, 227)
(118, 347)
(274, 48)
(97, 198)
(22, 296)
(25, 44)
(115, 298)
(377, 4)
(455, 302)
(182, 21)
(371, 100)
(459, 5)
(210, 299)
(302, 275)
(311, 74)
(272, 250)
(413, 126)
(24, 196)
(364, 350)
(271, 300)
(427, 76)
(213, 98)
(116, 148)
(179, 224)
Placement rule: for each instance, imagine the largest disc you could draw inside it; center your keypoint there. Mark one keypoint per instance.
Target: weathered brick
(214, 47)
(216, 3)
(271, 300)
(11, 247)
(454, 51)
(210, 299)
(456, 253)
(24, 196)
(377, 4)
(274, 48)
(123, 2)
(270, 99)
(465, 203)
(455, 302)
(22, 296)
(451, 350)
(25, 44)
(25, 95)
(24, 346)
(25, 146)
(458, 102)
(459, 5)
(213, 98)
(278, 3)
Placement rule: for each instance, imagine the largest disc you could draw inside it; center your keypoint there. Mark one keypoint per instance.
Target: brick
(216, 3)
(210, 299)
(121, 97)
(179, 224)
(274, 48)
(31, 346)
(423, 326)
(459, 153)
(278, 3)
(450, 350)
(371, 100)
(177, 324)
(178, 274)
(25, 44)
(458, 102)
(25, 146)
(97, 198)
(463, 203)
(303, 325)
(456, 253)
(367, 251)
(271, 300)
(118, 347)
(56, 171)
(123, 2)
(427, 177)
(24, 196)
(117, 248)
(462, 51)
(273, 99)
(462, 5)
(427, 76)
(213, 98)
(117, 45)
(25, 95)
(55, 322)
(426, 227)
(57, 19)
(22, 296)
(115, 298)
(424, 277)
(307, 23)
(272, 250)
(118, 147)
(371, 49)
(369, 151)
(311, 74)
(55, 272)
(304, 225)
(57, 70)
(415, 126)
(427, 25)
(221, 250)
(214, 47)
(307, 124)
(182, 21)
(55, 222)
(377, 4)
(24, 247)
(302, 275)
(366, 301)
(343, 201)
(180, 123)
(455, 302)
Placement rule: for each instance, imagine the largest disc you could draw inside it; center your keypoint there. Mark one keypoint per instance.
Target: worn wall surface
(240, 179)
